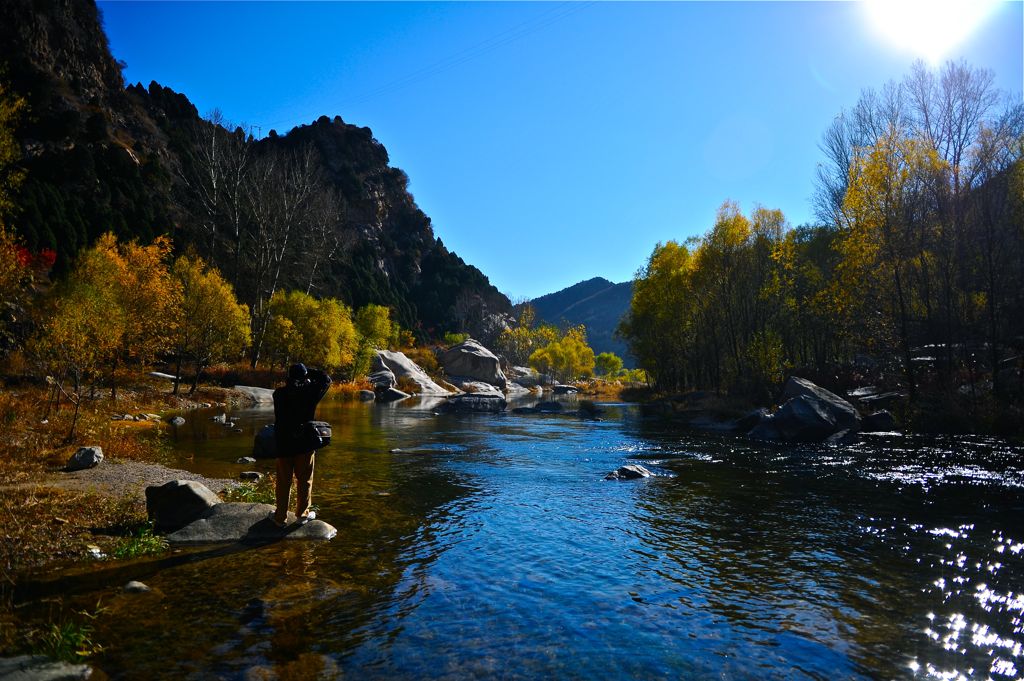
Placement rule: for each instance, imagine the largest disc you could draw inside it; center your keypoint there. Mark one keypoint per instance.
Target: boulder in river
(404, 368)
(247, 522)
(474, 403)
(135, 587)
(879, 421)
(250, 476)
(801, 419)
(85, 457)
(475, 387)
(473, 361)
(844, 413)
(177, 421)
(565, 390)
(631, 471)
(366, 396)
(382, 379)
(177, 503)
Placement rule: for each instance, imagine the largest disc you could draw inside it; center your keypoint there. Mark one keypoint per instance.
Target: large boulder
(801, 419)
(382, 379)
(402, 367)
(473, 361)
(85, 457)
(844, 413)
(474, 403)
(527, 377)
(177, 503)
(247, 522)
(476, 387)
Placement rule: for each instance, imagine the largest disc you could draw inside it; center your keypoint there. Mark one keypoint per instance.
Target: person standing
(294, 406)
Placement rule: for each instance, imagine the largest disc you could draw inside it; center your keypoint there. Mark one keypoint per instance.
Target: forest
(912, 277)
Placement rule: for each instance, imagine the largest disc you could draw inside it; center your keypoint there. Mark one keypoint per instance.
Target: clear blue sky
(552, 142)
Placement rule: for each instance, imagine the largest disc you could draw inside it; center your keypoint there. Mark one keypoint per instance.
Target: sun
(929, 28)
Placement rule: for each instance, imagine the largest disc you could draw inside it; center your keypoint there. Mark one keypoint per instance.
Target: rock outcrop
(844, 413)
(471, 360)
(42, 668)
(403, 368)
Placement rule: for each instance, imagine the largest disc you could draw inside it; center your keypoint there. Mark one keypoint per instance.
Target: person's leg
(285, 468)
(303, 482)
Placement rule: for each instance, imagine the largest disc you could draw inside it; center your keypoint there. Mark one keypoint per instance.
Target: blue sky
(553, 142)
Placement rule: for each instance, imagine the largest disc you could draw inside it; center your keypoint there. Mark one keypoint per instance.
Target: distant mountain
(319, 208)
(596, 303)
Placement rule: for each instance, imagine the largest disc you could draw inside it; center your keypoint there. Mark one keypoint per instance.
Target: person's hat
(297, 372)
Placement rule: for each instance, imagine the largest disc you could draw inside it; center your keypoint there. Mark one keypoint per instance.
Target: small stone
(250, 476)
(177, 421)
(85, 457)
(95, 552)
(134, 587)
(220, 418)
(246, 459)
(629, 472)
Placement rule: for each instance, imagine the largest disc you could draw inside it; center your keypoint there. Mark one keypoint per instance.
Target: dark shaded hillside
(598, 304)
(139, 161)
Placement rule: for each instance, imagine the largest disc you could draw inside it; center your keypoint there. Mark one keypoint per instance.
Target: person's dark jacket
(294, 405)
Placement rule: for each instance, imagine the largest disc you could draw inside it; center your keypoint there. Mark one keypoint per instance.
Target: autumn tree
(314, 331)
(374, 329)
(211, 325)
(608, 364)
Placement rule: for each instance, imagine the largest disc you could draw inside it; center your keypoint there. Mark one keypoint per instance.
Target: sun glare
(929, 28)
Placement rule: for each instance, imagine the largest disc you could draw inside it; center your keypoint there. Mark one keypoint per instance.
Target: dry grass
(601, 389)
(349, 389)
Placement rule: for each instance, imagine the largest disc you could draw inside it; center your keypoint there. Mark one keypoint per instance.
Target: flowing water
(490, 547)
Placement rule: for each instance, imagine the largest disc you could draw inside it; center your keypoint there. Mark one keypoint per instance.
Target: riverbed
(489, 546)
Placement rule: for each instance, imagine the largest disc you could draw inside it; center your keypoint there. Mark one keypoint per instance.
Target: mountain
(596, 303)
(319, 208)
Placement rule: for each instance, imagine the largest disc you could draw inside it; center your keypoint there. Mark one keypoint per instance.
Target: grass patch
(141, 542)
(261, 492)
(70, 639)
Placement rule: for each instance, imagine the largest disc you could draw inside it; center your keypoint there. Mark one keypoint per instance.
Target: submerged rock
(550, 407)
(134, 587)
(629, 472)
(366, 396)
(177, 421)
(250, 476)
(175, 504)
(247, 522)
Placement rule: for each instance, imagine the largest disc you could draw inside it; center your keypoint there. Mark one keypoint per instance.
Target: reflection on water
(484, 546)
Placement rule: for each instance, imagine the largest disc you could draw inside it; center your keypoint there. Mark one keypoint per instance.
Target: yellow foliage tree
(316, 332)
(374, 328)
(211, 325)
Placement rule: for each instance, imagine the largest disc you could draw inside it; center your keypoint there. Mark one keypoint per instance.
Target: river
(489, 546)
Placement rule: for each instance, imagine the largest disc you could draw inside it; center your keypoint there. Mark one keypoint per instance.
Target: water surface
(490, 547)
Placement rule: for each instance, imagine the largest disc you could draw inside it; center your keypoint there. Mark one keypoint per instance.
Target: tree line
(915, 270)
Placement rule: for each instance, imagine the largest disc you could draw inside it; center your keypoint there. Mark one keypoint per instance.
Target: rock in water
(177, 503)
(844, 413)
(880, 421)
(250, 476)
(177, 421)
(42, 668)
(382, 379)
(801, 419)
(134, 587)
(474, 361)
(245, 460)
(85, 457)
(391, 395)
(629, 472)
(466, 404)
(565, 390)
(366, 396)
